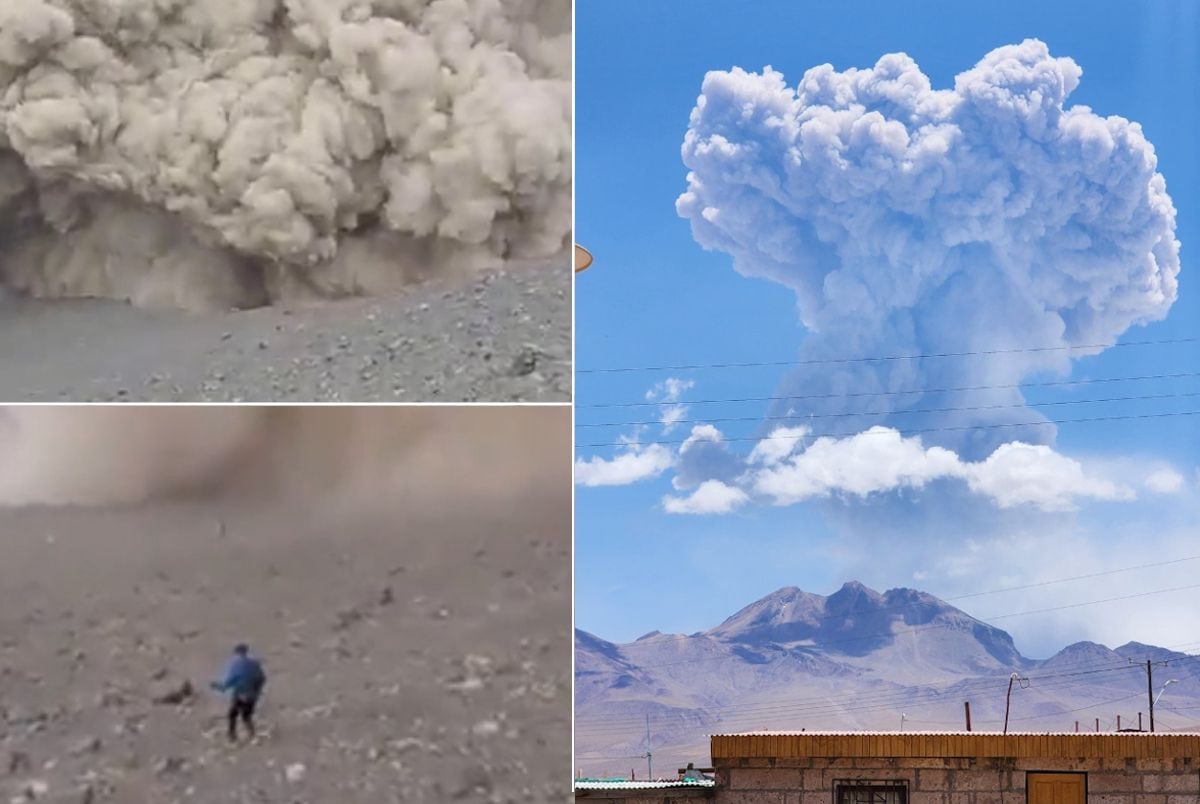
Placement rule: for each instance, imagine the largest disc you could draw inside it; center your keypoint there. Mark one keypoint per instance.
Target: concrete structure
(957, 768)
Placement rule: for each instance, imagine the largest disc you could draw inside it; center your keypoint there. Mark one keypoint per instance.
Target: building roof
(796, 745)
(603, 784)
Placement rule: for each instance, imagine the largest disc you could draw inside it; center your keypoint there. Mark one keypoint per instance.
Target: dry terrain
(413, 655)
(505, 336)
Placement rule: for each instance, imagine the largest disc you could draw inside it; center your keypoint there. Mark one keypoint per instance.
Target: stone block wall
(957, 780)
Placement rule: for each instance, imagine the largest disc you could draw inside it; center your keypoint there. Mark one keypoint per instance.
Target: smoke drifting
(377, 457)
(203, 153)
(909, 220)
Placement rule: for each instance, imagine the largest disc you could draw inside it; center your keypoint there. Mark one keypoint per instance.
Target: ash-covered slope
(856, 659)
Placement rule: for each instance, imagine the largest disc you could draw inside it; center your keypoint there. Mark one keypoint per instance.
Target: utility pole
(967, 709)
(649, 766)
(1150, 687)
(1150, 691)
(1008, 697)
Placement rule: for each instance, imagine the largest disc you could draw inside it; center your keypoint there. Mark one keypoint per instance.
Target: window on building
(855, 793)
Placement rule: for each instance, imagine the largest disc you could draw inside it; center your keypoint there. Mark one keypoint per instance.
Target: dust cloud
(206, 154)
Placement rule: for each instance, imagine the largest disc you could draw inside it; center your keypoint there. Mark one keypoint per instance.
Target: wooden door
(1056, 788)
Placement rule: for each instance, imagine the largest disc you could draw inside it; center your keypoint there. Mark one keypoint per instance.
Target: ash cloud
(912, 220)
(374, 457)
(216, 153)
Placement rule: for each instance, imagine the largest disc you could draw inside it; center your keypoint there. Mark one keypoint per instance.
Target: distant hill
(856, 659)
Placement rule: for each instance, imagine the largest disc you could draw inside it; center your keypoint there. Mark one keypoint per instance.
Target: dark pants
(243, 708)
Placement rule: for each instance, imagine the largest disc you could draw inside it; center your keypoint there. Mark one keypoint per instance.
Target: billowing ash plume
(203, 153)
(377, 457)
(909, 220)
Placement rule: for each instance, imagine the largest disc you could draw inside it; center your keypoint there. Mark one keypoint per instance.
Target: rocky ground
(504, 337)
(413, 656)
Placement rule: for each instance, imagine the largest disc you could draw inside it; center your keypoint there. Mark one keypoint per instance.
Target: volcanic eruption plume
(910, 220)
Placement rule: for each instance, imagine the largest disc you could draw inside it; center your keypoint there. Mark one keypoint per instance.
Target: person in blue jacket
(244, 680)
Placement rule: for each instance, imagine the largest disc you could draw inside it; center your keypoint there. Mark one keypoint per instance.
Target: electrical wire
(856, 394)
(885, 358)
(905, 432)
(914, 411)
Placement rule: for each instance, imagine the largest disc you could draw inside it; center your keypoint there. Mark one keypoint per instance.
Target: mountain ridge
(854, 659)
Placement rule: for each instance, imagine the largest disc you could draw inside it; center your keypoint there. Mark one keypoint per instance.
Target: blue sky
(656, 297)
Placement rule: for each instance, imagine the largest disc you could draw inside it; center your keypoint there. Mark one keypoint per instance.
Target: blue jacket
(244, 677)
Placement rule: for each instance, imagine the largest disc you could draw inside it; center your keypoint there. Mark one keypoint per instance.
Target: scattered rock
(87, 745)
(168, 766)
(18, 762)
(486, 728)
(176, 694)
(347, 617)
(525, 363)
(35, 789)
(475, 780)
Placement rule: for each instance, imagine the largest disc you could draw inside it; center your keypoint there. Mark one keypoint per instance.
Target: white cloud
(880, 460)
(1018, 474)
(669, 390)
(710, 497)
(701, 433)
(781, 443)
(672, 415)
(1164, 481)
(876, 460)
(626, 468)
(705, 455)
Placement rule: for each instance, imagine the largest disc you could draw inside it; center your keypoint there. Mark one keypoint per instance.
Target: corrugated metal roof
(1129, 745)
(607, 785)
(914, 732)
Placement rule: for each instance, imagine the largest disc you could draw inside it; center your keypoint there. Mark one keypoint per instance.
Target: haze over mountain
(854, 660)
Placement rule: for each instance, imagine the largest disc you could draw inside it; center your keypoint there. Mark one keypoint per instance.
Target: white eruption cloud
(199, 153)
(913, 220)
(95, 455)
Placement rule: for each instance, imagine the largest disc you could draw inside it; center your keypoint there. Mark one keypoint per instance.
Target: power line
(884, 358)
(880, 701)
(884, 700)
(907, 432)
(823, 708)
(948, 390)
(841, 414)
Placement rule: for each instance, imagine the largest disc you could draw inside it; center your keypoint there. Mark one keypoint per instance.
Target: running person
(244, 679)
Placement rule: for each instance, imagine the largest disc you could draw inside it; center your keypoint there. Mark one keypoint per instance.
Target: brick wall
(957, 780)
